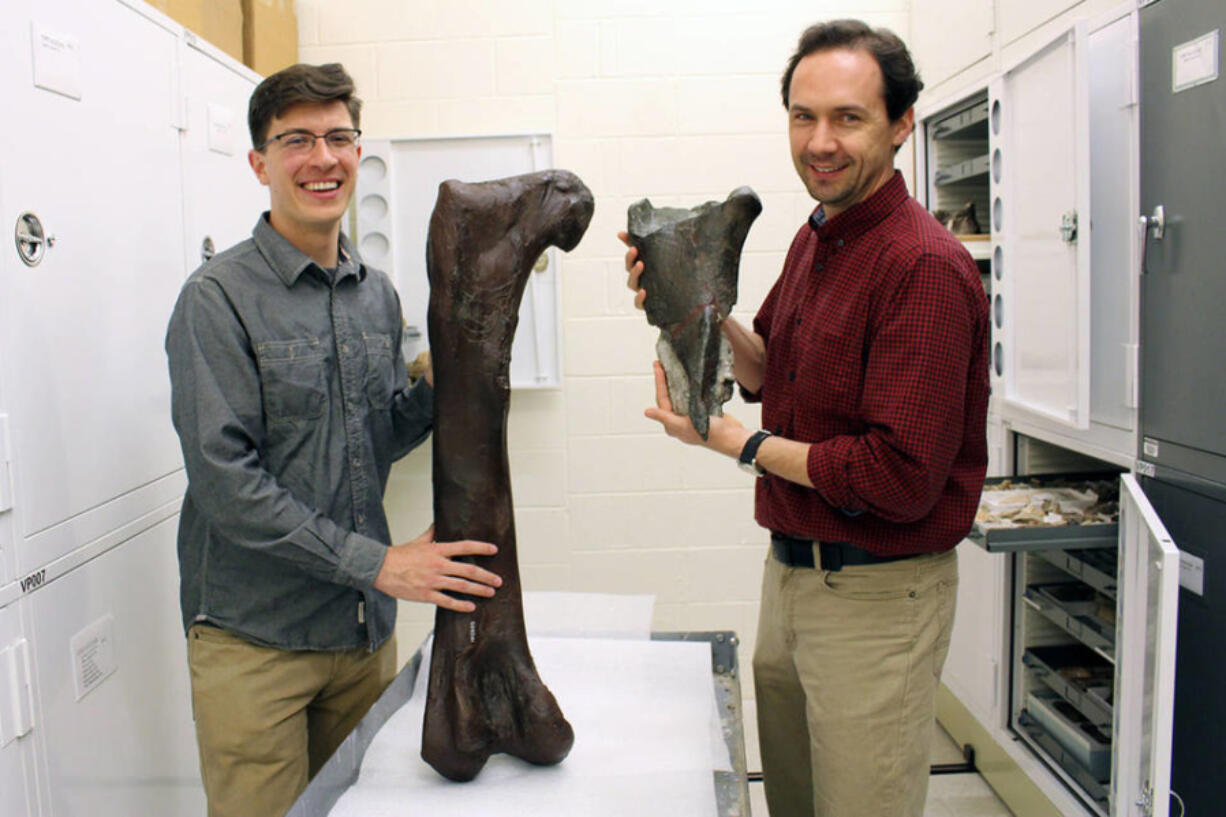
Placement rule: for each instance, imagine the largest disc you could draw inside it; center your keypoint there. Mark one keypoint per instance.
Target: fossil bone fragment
(690, 263)
(485, 695)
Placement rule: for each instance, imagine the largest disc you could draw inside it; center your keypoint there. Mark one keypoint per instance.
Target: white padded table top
(644, 741)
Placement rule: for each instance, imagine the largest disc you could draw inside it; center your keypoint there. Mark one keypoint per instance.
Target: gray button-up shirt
(291, 399)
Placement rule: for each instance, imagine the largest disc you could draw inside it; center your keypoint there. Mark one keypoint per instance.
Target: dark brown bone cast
(690, 263)
(485, 695)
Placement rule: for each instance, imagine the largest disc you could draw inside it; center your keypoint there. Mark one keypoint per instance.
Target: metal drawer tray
(1037, 736)
(1078, 675)
(1072, 607)
(1081, 740)
(1096, 567)
(1036, 537)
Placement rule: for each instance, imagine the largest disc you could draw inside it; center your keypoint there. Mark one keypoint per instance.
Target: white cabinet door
(17, 778)
(1145, 684)
(221, 196)
(1039, 139)
(90, 150)
(110, 663)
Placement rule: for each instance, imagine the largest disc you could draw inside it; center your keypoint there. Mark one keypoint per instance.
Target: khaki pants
(846, 670)
(267, 719)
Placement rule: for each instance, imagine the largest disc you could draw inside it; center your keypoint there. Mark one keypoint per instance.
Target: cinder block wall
(677, 101)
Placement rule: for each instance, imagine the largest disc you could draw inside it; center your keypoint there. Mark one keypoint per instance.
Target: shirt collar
(289, 262)
(862, 216)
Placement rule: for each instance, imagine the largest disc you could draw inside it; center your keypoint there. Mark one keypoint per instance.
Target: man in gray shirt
(291, 400)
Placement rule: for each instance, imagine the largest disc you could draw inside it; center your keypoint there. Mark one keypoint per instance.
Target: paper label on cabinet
(1192, 573)
(221, 129)
(93, 655)
(1194, 63)
(57, 61)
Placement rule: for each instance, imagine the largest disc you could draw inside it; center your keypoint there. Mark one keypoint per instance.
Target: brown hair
(299, 83)
(902, 82)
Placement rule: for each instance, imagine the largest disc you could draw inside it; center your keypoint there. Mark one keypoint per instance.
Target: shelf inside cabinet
(978, 245)
(1064, 759)
(971, 123)
(1085, 743)
(1074, 608)
(962, 171)
(1078, 675)
(1096, 567)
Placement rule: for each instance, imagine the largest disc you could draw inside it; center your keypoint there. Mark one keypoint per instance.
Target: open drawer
(1054, 512)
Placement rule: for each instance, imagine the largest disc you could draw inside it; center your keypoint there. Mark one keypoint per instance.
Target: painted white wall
(678, 102)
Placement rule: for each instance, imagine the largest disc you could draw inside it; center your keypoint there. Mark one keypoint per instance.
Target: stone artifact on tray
(485, 695)
(1010, 505)
(690, 264)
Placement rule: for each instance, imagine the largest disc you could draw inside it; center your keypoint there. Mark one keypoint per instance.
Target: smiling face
(309, 191)
(842, 139)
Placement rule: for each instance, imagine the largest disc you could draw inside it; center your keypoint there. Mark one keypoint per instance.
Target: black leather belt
(795, 552)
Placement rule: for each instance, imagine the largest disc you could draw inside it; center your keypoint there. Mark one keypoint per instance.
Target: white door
(17, 780)
(90, 156)
(1145, 685)
(113, 701)
(1039, 141)
(221, 196)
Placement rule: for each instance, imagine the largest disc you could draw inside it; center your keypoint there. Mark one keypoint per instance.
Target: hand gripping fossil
(485, 695)
(690, 263)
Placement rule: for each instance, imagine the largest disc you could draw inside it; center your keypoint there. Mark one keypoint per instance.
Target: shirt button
(838, 243)
(357, 463)
(798, 320)
(778, 430)
(817, 267)
(792, 376)
(361, 519)
(345, 348)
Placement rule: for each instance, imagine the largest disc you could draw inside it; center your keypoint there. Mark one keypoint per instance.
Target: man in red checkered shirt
(869, 357)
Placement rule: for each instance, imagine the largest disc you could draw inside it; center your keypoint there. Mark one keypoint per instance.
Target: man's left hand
(725, 434)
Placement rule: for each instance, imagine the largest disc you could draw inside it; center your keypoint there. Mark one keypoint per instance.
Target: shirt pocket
(380, 376)
(293, 379)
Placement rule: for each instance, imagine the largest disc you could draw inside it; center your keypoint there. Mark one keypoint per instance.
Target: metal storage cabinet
(91, 159)
(1047, 151)
(1105, 727)
(1183, 105)
(133, 137)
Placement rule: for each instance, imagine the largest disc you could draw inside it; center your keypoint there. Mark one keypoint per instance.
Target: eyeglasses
(303, 141)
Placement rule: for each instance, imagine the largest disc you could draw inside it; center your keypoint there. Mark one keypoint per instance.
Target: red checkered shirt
(877, 354)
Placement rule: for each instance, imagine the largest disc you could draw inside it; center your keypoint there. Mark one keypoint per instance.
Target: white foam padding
(641, 711)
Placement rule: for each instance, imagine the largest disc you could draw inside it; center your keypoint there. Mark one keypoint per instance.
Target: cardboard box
(218, 21)
(270, 35)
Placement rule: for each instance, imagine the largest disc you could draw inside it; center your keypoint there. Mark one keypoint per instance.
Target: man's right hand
(634, 267)
(420, 570)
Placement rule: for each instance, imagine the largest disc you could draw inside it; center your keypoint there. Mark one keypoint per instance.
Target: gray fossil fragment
(690, 263)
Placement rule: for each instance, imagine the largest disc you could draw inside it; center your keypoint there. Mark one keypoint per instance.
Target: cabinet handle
(1155, 224)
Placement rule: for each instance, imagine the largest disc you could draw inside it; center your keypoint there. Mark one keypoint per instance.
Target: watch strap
(749, 453)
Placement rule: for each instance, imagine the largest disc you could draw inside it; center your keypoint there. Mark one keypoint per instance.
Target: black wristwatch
(748, 461)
